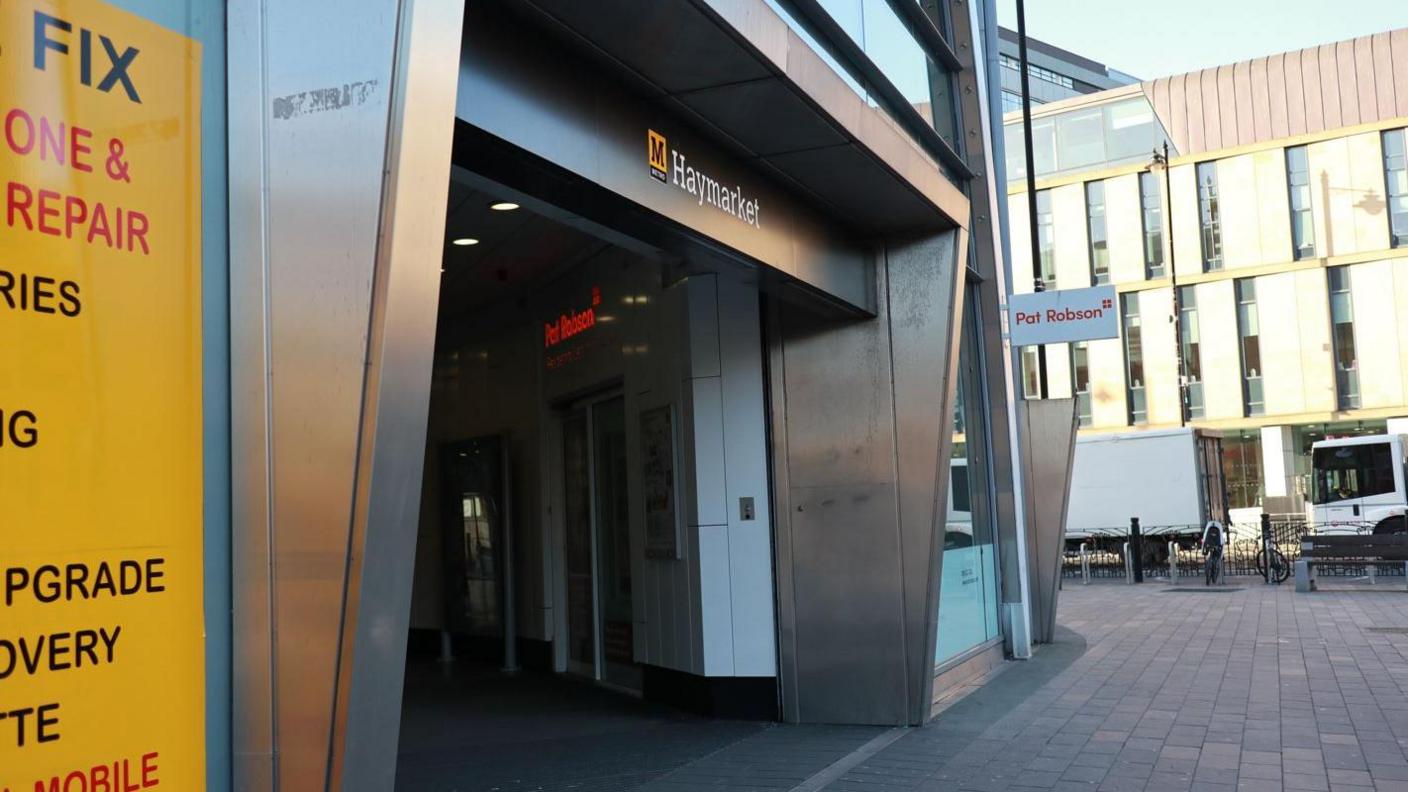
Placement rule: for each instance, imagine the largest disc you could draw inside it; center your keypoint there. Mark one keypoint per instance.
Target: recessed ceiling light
(503, 206)
(464, 241)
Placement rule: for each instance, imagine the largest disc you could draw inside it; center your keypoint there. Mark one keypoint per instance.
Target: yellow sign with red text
(102, 659)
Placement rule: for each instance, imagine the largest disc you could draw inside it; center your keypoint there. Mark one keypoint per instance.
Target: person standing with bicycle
(1212, 543)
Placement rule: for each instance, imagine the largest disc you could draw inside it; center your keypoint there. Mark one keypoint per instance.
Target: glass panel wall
(1396, 182)
(1190, 342)
(1210, 216)
(1119, 132)
(1249, 331)
(894, 50)
(1099, 240)
(1080, 381)
(1302, 221)
(968, 590)
(1342, 337)
(1151, 207)
(1137, 403)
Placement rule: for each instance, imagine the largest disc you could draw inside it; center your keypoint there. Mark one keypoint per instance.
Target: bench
(1368, 549)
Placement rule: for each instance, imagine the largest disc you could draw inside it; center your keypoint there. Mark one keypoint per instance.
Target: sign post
(101, 630)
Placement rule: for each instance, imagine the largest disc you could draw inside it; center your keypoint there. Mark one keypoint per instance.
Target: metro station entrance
(556, 601)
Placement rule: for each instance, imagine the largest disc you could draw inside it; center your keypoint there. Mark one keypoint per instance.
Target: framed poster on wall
(658, 483)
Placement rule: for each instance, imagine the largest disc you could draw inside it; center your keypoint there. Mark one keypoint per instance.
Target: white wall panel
(746, 456)
(715, 601)
(1316, 360)
(1273, 205)
(1282, 378)
(1019, 221)
(1160, 355)
(1124, 227)
(1366, 166)
(1186, 238)
(1381, 360)
(1072, 236)
(1108, 407)
(1241, 222)
(1332, 196)
(1058, 370)
(1400, 285)
(1222, 372)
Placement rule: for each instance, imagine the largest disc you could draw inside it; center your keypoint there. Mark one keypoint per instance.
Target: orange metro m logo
(658, 154)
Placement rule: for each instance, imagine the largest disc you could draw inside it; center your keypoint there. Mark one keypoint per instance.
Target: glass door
(580, 550)
(598, 544)
(613, 543)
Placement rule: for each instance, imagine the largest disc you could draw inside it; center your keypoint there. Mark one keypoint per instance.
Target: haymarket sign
(672, 167)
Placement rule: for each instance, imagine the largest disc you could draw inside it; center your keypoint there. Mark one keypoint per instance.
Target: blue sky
(1149, 38)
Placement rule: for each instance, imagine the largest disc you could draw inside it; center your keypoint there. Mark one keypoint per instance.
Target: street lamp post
(1160, 162)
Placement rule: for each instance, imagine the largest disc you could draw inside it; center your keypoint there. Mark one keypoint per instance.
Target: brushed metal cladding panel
(396, 398)
(1295, 93)
(307, 153)
(1329, 85)
(1227, 106)
(925, 281)
(1310, 83)
(1398, 42)
(1049, 426)
(1276, 89)
(252, 694)
(850, 659)
(1345, 64)
(1261, 101)
(1383, 88)
(1364, 79)
(839, 404)
(1193, 98)
(1243, 105)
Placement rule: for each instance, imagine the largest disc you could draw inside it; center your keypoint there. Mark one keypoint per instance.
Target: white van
(1360, 484)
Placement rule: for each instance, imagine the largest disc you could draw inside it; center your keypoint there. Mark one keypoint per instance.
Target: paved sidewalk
(1250, 688)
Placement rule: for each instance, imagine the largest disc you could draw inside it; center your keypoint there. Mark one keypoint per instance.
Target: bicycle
(1280, 567)
(1212, 566)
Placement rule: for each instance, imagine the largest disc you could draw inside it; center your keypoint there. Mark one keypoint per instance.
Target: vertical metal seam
(883, 273)
(268, 375)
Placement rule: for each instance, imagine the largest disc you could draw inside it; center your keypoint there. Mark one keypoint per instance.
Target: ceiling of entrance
(515, 251)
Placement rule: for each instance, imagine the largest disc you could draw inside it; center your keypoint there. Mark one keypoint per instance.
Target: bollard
(1173, 563)
(1085, 563)
(1136, 542)
(1128, 569)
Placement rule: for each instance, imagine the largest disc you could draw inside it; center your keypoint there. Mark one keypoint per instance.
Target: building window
(1080, 380)
(1055, 78)
(1342, 336)
(1134, 360)
(1249, 332)
(1396, 179)
(1012, 102)
(1046, 240)
(1211, 216)
(1095, 219)
(1151, 205)
(1031, 372)
(1190, 347)
(1302, 223)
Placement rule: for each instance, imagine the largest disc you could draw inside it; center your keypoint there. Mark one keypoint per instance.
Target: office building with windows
(1056, 73)
(1262, 270)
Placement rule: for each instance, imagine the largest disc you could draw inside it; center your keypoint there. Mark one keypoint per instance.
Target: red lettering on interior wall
(571, 323)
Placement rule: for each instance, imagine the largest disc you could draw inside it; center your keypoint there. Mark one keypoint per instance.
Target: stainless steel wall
(341, 121)
(862, 421)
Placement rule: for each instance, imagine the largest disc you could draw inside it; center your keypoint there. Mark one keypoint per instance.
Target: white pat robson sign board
(1054, 317)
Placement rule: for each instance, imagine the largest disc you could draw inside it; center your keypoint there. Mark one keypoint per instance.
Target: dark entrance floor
(468, 728)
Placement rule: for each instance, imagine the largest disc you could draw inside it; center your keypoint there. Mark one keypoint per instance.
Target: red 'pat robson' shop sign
(571, 322)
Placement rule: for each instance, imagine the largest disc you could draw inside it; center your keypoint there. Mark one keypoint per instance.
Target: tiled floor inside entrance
(1148, 689)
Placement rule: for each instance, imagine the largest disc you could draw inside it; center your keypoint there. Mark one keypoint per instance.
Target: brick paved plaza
(1250, 687)
(1253, 688)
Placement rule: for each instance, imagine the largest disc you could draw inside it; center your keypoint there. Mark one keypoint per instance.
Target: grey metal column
(339, 160)
(1048, 431)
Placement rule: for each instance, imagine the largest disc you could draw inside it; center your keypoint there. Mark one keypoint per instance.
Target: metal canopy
(679, 53)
